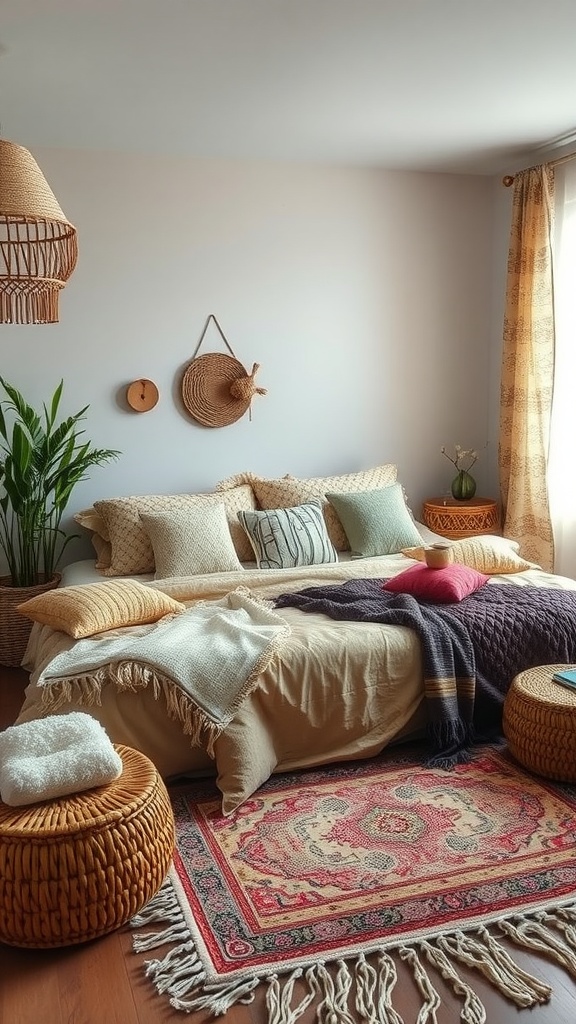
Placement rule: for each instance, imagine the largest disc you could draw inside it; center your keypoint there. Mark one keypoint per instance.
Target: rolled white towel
(55, 756)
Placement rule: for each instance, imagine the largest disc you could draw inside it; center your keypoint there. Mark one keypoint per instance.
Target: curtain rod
(508, 179)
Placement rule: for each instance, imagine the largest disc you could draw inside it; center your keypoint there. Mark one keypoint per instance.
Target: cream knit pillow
(487, 553)
(191, 541)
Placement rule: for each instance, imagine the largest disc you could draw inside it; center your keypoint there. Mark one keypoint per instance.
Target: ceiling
(438, 85)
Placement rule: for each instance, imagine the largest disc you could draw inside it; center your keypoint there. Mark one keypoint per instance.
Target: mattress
(335, 690)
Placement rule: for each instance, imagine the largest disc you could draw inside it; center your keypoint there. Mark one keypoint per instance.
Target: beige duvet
(334, 691)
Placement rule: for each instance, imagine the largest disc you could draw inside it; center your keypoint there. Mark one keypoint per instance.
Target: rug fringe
(534, 935)
(425, 987)
(356, 989)
(473, 1011)
(373, 996)
(487, 956)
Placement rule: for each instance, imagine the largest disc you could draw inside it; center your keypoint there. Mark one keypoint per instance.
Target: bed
(331, 691)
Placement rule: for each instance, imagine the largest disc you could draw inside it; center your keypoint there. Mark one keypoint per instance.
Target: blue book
(566, 676)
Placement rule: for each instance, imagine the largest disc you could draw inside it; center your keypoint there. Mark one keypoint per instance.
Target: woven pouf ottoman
(80, 866)
(539, 723)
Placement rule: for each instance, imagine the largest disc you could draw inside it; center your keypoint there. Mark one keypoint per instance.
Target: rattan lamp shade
(38, 246)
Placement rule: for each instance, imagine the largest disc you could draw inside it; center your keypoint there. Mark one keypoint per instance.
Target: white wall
(365, 295)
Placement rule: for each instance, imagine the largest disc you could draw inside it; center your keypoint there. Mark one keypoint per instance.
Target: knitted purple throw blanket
(471, 650)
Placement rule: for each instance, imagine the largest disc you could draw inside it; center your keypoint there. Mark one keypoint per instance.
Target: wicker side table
(539, 722)
(456, 519)
(80, 866)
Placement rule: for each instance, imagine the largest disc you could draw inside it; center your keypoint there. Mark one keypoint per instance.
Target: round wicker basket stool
(539, 723)
(80, 866)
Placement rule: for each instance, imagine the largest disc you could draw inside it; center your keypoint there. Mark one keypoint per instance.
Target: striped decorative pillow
(285, 537)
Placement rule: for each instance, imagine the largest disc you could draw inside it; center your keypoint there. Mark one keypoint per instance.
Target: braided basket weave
(539, 723)
(80, 866)
(216, 390)
(15, 628)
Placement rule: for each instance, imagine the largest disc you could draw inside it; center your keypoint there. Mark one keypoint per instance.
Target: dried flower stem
(461, 455)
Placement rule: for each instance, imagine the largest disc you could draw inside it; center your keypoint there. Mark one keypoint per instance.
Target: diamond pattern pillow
(131, 548)
(290, 491)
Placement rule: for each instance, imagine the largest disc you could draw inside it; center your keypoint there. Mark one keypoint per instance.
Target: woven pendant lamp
(38, 247)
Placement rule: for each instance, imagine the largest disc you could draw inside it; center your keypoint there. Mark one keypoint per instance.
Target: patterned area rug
(385, 856)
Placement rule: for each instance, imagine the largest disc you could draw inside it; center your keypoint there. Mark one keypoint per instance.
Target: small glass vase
(463, 486)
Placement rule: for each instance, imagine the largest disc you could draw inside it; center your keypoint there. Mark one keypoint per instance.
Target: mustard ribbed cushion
(94, 607)
(80, 866)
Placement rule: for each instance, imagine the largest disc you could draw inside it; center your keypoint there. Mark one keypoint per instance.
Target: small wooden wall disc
(142, 395)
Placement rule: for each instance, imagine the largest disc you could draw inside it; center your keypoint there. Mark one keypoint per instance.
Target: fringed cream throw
(206, 660)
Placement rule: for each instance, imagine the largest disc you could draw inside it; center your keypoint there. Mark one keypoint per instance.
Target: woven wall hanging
(216, 388)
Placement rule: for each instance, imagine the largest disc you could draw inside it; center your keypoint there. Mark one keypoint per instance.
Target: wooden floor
(103, 982)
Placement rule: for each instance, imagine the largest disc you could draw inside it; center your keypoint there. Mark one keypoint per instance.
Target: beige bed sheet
(335, 691)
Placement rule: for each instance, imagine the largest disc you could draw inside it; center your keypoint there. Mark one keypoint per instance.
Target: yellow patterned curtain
(528, 367)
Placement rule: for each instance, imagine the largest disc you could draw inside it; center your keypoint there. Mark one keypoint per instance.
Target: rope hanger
(220, 331)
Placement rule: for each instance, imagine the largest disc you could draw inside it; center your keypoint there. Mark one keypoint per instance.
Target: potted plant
(41, 461)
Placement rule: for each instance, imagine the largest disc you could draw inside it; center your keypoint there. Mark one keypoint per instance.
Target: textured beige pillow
(91, 520)
(132, 552)
(94, 607)
(191, 541)
(289, 491)
(487, 553)
(103, 549)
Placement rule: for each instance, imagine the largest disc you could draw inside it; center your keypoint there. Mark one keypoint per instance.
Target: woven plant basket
(15, 628)
(80, 866)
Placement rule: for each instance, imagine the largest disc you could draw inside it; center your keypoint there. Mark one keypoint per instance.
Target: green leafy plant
(41, 461)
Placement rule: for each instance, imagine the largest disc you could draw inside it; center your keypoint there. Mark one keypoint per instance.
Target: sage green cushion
(375, 522)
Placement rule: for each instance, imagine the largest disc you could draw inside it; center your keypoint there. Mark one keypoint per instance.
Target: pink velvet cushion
(441, 586)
